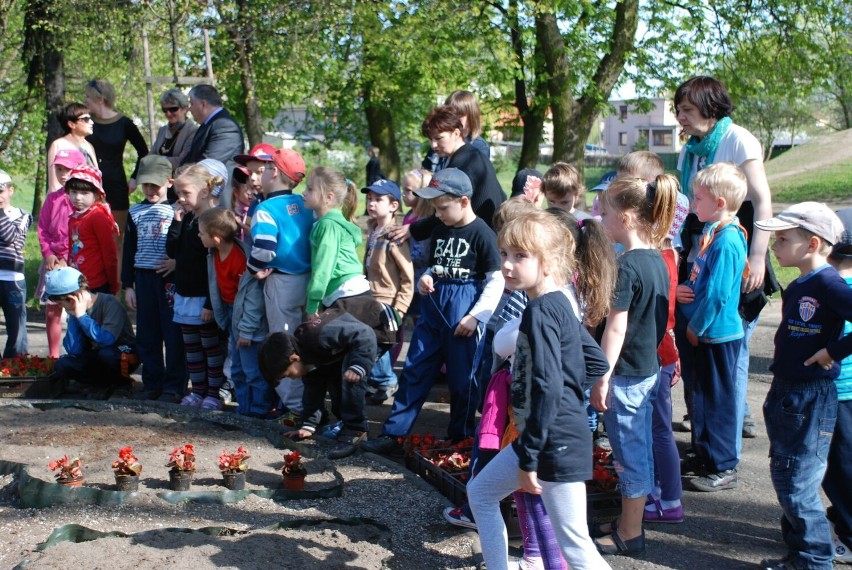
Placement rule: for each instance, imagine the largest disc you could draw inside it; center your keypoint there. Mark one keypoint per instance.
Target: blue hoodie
(716, 278)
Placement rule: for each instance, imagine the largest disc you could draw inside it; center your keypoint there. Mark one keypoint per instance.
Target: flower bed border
(34, 387)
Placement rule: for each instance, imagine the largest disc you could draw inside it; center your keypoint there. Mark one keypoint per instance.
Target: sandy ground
(732, 529)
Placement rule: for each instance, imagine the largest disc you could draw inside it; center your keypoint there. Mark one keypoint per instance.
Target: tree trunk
(382, 135)
(573, 119)
(533, 112)
(241, 35)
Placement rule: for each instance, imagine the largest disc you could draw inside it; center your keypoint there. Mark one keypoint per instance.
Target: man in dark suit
(218, 136)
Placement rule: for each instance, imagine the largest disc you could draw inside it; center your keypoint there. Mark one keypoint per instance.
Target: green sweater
(334, 259)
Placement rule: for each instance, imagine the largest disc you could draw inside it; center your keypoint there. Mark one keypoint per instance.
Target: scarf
(710, 232)
(701, 148)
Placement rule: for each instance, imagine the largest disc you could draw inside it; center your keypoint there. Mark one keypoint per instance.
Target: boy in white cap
(14, 223)
(801, 406)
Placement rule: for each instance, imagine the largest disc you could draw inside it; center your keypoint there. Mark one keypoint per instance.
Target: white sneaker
(531, 563)
(842, 554)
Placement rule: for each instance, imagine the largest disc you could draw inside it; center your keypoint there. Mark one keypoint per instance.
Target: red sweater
(667, 351)
(92, 249)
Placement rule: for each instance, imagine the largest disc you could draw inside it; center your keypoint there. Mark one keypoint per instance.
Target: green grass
(830, 182)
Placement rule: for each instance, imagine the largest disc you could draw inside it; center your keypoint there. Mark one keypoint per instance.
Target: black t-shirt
(468, 252)
(642, 289)
(487, 192)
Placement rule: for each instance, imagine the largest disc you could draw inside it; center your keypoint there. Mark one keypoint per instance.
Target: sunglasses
(85, 119)
(171, 109)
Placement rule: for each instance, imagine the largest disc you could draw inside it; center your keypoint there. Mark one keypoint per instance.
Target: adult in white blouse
(77, 124)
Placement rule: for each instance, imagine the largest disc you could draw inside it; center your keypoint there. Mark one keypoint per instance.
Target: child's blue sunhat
(62, 281)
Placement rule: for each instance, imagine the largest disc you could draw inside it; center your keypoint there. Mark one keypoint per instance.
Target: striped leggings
(204, 358)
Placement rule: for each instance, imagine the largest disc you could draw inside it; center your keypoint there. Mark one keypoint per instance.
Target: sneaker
(716, 481)
(749, 428)
(291, 419)
(842, 553)
(381, 395)
(661, 515)
(459, 516)
(779, 564)
(683, 426)
(192, 400)
(331, 431)
(347, 444)
(211, 403)
(384, 445)
(691, 465)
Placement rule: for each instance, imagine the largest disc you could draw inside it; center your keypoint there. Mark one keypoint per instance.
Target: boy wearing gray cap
(801, 407)
(460, 290)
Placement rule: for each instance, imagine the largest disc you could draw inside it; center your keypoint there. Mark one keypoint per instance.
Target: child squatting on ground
(99, 334)
(801, 407)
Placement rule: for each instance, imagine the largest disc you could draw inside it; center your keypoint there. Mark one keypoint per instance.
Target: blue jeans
(628, 423)
(154, 329)
(382, 375)
(13, 296)
(838, 474)
(100, 367)
(800, 419)
(742, 381)
(255, 397)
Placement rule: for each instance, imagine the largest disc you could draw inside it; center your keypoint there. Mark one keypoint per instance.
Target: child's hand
(179, 211)
(426, 286)
(263, 274)
(243, 342)
(529, 482)
(467, 326)
(130, 297)
(206, 315)
(676, 374)
(691, 337)
(76, 304)
(822, 358)
(398, 234)
(685, 294)
(165, 266)
(351, 376)
(598, 395)
(299, 434)
(50, 262)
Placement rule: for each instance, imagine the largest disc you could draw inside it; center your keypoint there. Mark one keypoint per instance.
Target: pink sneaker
(211, 403)
(193, 400)
(661, 515)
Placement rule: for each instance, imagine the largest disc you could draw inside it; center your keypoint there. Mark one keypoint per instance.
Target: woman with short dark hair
(76, 123)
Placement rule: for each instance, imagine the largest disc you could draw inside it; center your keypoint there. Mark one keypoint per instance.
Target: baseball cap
(69, 158)
(88, 174)
(843, 248)
(290, 163)
(450, 181)
(5, 178)
(261, 152)
(62, 281)
(814, 217)
(154, 169)
(605, 181)
(384, 187)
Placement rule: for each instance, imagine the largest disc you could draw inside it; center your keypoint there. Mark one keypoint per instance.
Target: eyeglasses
(171, 109)
(84, 118)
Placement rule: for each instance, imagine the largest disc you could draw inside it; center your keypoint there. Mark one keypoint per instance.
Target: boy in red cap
(281, 253)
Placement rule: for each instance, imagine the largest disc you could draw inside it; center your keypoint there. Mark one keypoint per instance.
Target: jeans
(628, 424)
(347, 398)
(13, 295)
(100, 367)
(565, 504)
(382, 375)
(666, 459)
(800, 419)
(742, 381)
(255, 397)
(155, 328)
(838, 474)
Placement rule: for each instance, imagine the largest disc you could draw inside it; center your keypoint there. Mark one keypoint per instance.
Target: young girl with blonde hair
(637, 215)
(336, 271)
(555, 356)
(192, 307)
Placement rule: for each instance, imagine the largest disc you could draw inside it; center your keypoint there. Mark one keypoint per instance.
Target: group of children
(540, 327)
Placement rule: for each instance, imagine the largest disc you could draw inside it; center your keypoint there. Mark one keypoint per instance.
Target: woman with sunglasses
(174, 138)
(76, 124)
(112, 132)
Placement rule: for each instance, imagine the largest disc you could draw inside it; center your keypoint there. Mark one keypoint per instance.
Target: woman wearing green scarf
(703, 107)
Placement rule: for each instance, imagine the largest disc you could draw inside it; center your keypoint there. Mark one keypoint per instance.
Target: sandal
(596, 529)
(632, 547)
